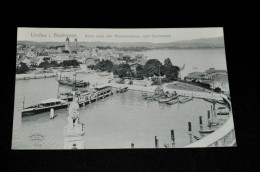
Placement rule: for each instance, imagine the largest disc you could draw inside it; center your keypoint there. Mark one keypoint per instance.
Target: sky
(116, 35)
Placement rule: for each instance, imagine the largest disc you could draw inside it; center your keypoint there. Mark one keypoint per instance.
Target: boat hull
(206, 131)
(78, 84)
(37, 111)
(185, 100)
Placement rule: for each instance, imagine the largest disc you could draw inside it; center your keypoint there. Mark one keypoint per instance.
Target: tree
(54, 64)
(68, 63)
(105, 65)
(217, 89)
(115, 70)
(139, 72)
(65, 51)
(123, 70)
(23, 68)
(172, 72)
(167, 62)
(151, 68)
(44, 65)
(92, 67)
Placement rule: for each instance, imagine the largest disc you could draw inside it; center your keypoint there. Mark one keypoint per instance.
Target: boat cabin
(47, 103)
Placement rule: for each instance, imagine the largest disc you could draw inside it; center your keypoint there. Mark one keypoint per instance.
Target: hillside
(195, 43)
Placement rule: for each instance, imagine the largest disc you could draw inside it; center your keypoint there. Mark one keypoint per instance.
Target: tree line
(153, 67)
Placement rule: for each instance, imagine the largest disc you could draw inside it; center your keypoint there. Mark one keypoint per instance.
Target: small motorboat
(196, 137)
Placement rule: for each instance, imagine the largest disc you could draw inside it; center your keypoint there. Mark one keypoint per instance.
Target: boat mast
(23, 101)
(160, 77)
(59, 85)
(75, 75)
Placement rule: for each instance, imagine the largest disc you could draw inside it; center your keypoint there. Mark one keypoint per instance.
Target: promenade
(196, 94)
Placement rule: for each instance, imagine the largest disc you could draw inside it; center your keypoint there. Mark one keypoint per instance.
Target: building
(71, 46)
(36, 61)
(216, 78)
(24, 60)
(31, 54)
(60, 57)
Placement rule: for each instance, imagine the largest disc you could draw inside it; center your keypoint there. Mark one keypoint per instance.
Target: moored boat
(172, 102)
(165, 100)
(44, 106)
(209, 100)
(206, 131)
(69, 82)
(222, 111)
(214, 101)
(196, 137)
(186, 99)
(121, 90)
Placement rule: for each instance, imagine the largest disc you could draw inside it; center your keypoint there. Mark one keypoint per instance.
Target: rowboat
(185, 100)
(165, 100)
(172, 102)
(212, 124)
(214, 101)
(206, 131)
(196, 137)
(209, 100)
(153, 97)
(223, 111)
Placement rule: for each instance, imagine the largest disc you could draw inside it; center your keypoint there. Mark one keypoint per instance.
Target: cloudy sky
(116, 35)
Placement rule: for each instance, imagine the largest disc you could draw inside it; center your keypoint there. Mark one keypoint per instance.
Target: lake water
(118, 120)
(194, 60)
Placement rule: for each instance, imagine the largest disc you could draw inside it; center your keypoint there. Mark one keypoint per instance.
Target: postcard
(97, 88)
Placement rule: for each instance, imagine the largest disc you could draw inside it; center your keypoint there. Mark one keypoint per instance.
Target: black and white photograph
(82, 88)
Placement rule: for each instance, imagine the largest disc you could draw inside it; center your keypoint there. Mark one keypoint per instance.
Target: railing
(223, 137)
